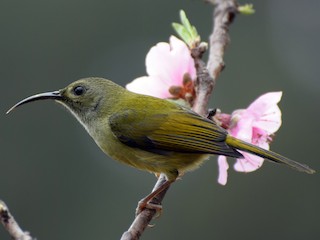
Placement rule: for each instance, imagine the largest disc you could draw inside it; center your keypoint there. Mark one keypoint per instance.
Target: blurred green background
(59, 185)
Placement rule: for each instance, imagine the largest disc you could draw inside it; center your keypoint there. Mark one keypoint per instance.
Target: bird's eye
(79, 90)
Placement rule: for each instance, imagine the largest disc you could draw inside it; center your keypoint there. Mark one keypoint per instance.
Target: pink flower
(169, 66)
(256, 125)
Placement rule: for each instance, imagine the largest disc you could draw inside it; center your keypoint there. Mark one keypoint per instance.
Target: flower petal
(149, 86)
(270, 121)
(249, 163)
(266, 112)
(170, 62)
(166, 66)
(264, 102)
(223, 167)
(243, 128)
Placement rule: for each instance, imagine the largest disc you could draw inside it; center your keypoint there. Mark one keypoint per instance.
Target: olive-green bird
(149, 133)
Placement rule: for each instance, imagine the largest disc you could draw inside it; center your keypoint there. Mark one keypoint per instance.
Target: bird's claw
(211, 113)
(153, 206)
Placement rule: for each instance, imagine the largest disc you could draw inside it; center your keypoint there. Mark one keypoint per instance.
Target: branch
(11, 225)
(224, 13)
(204, 83)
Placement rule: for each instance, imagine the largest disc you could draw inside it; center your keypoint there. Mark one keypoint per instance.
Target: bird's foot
(211, 113)
(149, 205)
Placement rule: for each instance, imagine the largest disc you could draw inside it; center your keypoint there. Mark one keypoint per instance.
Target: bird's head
(86, 98)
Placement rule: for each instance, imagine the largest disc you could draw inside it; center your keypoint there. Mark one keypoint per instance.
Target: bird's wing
(180, 131)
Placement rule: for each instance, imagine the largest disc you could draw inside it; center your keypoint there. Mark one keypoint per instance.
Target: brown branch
(204, 83)
(11, 225)
(224, 13)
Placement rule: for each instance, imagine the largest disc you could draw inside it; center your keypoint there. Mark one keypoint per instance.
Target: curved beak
(55, 95)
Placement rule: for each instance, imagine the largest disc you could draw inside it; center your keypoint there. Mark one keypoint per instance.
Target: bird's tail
(275, 157)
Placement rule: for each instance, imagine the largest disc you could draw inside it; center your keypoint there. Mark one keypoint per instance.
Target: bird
(150, 133)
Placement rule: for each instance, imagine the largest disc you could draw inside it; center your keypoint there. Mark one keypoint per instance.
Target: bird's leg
(147, 201)
(211, 113)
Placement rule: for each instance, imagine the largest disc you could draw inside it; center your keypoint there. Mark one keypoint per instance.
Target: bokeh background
(59, 185)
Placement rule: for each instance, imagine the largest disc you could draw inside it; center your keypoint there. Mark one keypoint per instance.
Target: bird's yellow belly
(168, 164)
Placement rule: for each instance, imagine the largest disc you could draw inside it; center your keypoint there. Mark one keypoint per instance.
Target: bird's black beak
(55, 95)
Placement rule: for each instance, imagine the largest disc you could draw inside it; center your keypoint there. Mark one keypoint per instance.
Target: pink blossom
(167, 65)
(256, 125)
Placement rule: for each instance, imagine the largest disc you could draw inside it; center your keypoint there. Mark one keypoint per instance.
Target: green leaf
(185, 21)
(182, 32)
(246, 9)
(186, 31)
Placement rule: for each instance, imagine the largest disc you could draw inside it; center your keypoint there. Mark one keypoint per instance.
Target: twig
(204, 83)
(224, 13)
(11, 225)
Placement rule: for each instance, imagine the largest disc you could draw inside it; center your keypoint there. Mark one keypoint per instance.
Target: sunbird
(149, 133)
